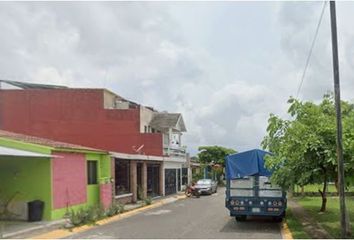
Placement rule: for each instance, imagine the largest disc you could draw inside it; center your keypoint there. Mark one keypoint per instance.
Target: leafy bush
(115, 209)
(148, 200)
(95, 213)
(121, 208)
(140, 193)
(78, 217)
(92, 214)
(86, 215)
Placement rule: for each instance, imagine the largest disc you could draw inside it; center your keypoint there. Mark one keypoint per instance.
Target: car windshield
(204, 181)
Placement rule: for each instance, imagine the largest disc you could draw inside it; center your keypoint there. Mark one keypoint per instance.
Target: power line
(311, 48)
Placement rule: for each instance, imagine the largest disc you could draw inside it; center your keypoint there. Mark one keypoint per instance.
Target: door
(179, 179)
(153, 180)
(139, 170)
(170, 181)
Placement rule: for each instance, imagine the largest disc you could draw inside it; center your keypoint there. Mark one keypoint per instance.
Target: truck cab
(249, 191)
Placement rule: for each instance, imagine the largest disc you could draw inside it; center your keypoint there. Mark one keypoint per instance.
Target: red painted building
(146, 143)
(81, 116)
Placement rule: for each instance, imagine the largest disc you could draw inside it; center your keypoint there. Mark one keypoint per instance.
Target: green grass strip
(295, 226)
(330, 219)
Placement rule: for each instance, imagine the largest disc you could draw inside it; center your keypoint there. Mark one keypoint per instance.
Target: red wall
(69, 179)
(75, 116)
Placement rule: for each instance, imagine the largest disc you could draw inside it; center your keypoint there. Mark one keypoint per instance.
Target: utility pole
(344, 219)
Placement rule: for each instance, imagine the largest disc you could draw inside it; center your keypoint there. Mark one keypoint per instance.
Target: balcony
(174, 151)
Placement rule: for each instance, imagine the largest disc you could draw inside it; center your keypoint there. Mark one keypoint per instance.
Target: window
(145, 129)
(122, 173)
(91, 172)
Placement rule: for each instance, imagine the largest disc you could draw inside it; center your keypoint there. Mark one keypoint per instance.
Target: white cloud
(224, 69)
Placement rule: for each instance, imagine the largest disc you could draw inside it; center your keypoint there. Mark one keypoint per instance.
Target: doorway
(170, 181)
(153, 180)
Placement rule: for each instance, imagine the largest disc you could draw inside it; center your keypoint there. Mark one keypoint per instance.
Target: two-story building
(149, 158)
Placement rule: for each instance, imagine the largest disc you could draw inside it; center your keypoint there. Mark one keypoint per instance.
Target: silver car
(206, 186)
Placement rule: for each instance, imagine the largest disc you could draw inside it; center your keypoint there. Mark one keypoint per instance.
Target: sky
(224, 65)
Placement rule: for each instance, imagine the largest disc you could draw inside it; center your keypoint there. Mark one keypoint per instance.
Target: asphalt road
(205, 217)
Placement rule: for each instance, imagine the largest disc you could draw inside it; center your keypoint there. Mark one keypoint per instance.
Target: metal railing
(174, 151)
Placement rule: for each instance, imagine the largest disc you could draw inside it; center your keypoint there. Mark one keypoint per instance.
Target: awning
(5, 151)
(127, 156)
(246, 164)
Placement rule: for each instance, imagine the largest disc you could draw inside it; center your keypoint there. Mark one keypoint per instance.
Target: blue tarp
(246, 163)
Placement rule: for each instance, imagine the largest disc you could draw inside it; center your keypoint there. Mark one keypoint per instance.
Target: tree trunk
(324, 194)
(336, 185)
(302, 191)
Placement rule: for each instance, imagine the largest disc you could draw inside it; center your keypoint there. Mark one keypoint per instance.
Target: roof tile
(44, 141)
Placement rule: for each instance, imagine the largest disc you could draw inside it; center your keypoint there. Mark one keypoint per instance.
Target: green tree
(305, 145)
(214, 155)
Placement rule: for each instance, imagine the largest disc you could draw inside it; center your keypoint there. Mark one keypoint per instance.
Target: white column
(169, 141)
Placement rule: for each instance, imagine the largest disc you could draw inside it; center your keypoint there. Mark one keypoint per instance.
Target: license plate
(256, 210)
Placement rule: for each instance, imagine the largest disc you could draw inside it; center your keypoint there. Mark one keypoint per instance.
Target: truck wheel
(278, 219)
(241, 218)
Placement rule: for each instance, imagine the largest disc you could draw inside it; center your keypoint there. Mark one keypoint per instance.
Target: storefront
(137, 177)
(140, 176)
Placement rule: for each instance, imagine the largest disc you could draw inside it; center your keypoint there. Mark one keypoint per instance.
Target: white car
(208, 186)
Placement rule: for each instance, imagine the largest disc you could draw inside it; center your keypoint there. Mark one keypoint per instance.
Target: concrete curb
(62, 233)
(285, 231)
(28, 230)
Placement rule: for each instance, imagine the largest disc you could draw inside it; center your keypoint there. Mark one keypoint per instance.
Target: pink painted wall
(106, 194)
(69, 179)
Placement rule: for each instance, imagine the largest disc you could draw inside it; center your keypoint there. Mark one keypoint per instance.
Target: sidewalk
(9, 229)
(23, 229)
(311, 227)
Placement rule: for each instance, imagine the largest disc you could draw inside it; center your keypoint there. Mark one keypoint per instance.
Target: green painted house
(64, 176)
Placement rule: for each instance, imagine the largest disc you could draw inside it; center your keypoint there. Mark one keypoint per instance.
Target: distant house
(64, 176)
(195, 166)
(149, 158)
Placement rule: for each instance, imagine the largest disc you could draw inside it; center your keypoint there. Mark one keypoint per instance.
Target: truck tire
(241, 218)
(278, 219)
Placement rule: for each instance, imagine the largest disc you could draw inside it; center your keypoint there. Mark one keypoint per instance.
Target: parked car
(208, 186)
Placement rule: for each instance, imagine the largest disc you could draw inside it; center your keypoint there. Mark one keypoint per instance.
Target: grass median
(315, 187)
(329, 220)
(295, 226)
